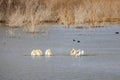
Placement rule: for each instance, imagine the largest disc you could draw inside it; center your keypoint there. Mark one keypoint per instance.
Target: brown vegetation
(67, 12)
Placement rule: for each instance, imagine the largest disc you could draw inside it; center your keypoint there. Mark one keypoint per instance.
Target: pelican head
(48, 52)
(73, 52)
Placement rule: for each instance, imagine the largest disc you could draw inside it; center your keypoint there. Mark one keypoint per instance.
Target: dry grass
(33, 13)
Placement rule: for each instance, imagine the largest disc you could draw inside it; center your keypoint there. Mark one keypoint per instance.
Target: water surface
(101, 46)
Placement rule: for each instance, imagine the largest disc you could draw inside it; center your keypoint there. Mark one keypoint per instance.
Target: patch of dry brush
(32, 13)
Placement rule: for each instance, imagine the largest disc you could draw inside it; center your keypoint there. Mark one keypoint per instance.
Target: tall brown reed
(33, 13)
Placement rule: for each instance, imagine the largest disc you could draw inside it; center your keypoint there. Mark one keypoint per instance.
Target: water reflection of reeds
(11, 33)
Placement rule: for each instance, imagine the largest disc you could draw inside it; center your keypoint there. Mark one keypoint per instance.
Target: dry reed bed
(32, 13)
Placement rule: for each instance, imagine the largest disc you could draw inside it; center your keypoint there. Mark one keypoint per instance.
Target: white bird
(82, 52)
(36, 53)
(79, 53)
(40, 52)
(33, 53)
(48, 52)
(72, 52)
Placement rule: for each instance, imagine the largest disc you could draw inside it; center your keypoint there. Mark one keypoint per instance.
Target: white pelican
(33, 53)
(82, 52)
(36, 53)
(79, 53)
(40, 52)
(73, 52)
(48, 52)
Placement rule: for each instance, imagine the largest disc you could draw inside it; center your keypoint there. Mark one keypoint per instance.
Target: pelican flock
(37, 53)
(77, 53)
(48, 52)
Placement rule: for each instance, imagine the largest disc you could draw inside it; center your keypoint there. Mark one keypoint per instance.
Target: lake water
(101, 60)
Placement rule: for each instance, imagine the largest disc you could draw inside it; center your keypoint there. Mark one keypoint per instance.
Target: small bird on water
(78, 41)
(116, 32)
(74, 40)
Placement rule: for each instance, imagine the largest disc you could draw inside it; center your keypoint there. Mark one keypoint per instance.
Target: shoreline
(94, 24)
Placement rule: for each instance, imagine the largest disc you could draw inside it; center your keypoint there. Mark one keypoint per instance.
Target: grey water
(101, 60)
